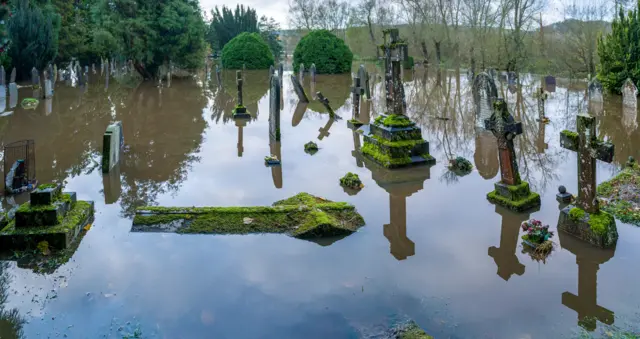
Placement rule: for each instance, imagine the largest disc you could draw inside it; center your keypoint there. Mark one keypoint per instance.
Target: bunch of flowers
(536, 233)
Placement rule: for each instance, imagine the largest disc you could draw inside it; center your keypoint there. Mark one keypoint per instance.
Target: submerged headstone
(356, 91)
(274, 108)
(112, 143)
(240, 111)
(629, 94)
(550, 84)
(48, 86)
(297, 87)
(312, 72)
(510, 192)
(485, 93)
(35, 78)
(585, 220)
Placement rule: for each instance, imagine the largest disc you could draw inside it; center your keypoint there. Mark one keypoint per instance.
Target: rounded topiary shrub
(248, 49)
(330, 54)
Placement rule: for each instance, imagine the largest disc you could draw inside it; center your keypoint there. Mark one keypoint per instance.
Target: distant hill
(565, 26)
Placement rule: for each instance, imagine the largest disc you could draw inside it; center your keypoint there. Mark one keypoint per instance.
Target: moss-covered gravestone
(51, 216)
(585, 220)
(394, 140)
(510, 192)
(302, 216)
(240, 112)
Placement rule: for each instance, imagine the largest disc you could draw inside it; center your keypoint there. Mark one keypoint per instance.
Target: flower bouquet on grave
(537, 239)
(29, 103)
(271, 160)
(460, 166)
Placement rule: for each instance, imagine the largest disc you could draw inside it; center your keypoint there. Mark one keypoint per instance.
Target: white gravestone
(629, 94)
(113, 140)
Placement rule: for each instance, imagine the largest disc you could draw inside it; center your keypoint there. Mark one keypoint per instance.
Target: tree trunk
(438, 60)
(142, 71)
(473, 62)
(425, 53)
(373, 37)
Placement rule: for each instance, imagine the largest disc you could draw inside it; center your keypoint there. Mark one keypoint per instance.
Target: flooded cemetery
(286, 203)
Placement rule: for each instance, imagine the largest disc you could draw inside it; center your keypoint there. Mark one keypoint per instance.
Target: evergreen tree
(151, 33)
(619, 52)
(227, 24)
(34, 37)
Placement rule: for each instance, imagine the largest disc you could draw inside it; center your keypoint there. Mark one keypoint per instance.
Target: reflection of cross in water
(324, 131)
(356, 148)
(357, 91)
(396, 230)
(505, 129)
(240, 124)
(589, 150)
(540, 144)
(541, 101)
(505, 255)
(586, 303)
(276, 171)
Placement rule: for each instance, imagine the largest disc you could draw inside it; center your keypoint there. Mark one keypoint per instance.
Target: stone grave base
(394, 141)
(59, 236)
(354, 124)
(598, 229)
(302, 216)
(518, 198)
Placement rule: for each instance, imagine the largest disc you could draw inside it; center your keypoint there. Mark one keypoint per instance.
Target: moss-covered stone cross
(302, 216)
(589, 149)
(505, 129)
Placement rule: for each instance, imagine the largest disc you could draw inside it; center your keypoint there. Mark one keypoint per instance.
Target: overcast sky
(279, 9)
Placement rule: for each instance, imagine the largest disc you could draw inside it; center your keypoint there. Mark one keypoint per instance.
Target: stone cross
(324, 131)
(312, 71)
(629, 94)
(589, 149)
(505, 129)
(393, 50)
(357, 91)
(12, 79)
(239, 83)
(301, 76)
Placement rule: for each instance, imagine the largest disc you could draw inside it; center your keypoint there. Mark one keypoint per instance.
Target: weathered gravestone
(510, 192)
(585, 303)
(112, 143)
(629, 94)
(312, 72)
(240, 111)
(485, 93)
(35, 78)
(297, 87)
(13, 95)
(505, 256)
(356, 91)
(595, 90)
(550, 84)
(585, 220)
(364, 79)
(48, 86)
(274, 108)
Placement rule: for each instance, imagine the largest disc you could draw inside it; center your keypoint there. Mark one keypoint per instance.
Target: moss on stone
(576, 214)
(398, 143)
(311, 148)
(385, 160)
(520, 205)
(599, 222)
(351, 180)
(47, 186)
(303, 215)
(619, 195)
(394, 120)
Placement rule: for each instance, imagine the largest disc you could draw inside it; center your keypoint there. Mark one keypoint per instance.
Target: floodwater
(433, 248)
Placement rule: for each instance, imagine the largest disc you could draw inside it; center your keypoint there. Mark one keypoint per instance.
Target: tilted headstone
(550, 84)
(629, 94)
(312, 72)
(12, 79)
(274, 108)
(112, 143)
(590, 149)
(595, 91)
(301, 74)
(297, 87)
(485, 93)
(510, 192)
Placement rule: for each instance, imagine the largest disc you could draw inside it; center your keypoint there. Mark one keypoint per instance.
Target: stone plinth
(240, 112)
(518, 197)
(598, 229)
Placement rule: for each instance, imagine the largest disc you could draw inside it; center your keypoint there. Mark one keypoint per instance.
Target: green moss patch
(620, 195)
(311, 148)
(301, 216)
(394, 120)
(352, 181)
(385, 160)
(599, 222)
(525, 203)
(573, 136)
(409, 330)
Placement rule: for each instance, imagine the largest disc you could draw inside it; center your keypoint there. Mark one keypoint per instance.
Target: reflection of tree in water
(619, 125)
(163, 132)
(70, 137)
(336, 88)
(10, 320)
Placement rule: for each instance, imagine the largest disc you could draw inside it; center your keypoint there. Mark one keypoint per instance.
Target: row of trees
(505, 34)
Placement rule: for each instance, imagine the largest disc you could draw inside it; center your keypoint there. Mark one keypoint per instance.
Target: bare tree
(302, 14)
(480, 16)
(584, 22)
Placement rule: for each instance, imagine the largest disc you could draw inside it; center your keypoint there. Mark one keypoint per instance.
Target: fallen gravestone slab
(302, 216)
